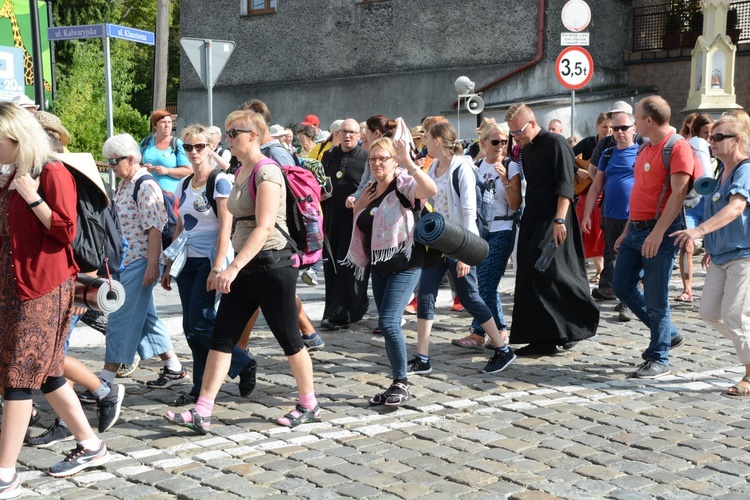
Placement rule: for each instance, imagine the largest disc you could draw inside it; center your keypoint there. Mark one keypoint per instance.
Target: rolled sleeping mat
(452, 239)
(97, 294)
(705, 183)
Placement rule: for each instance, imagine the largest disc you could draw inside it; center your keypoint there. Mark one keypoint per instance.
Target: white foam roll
(97, 294)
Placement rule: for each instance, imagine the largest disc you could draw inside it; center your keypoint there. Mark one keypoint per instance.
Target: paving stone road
(568, 426)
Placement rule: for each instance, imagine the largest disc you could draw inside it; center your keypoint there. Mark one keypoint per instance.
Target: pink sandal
(470, 342)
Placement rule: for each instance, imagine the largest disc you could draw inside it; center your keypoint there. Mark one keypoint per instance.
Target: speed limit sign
(574, 67)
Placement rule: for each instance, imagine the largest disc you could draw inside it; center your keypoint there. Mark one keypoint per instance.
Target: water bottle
(312, 230)
(544, 260)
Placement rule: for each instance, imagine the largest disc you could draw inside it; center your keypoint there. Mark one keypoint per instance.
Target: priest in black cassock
(553, 307)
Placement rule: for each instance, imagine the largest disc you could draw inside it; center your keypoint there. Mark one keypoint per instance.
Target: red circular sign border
(588, 77)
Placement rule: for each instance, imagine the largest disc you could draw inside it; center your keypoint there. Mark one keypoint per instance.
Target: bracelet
(413, 171)
(36, 203)
(507, 185)
(215, 270)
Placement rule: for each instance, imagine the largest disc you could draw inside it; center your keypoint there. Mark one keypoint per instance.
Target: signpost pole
(572, 111)
(108, 87)
(209, 81)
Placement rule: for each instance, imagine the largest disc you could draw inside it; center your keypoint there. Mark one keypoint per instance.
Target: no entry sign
(574, 67)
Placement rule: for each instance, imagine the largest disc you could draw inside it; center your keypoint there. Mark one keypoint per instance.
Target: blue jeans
(198, 317)
(652, 305)
(135, 326)
(489, 274)
(466, 289)
(392, 292)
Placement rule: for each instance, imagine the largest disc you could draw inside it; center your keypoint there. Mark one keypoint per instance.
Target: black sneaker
(54, 434)
(603, 293)
(109, 406)
(651, 369)
(185, 400)
(80, 459)
(417, 367)
(168, 378)
(500, 361)
(87, 398)
(677, 341)
(247, 378)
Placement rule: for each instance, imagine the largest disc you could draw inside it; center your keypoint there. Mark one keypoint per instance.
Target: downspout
(537, 58)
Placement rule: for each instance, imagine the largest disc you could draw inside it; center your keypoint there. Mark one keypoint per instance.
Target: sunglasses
(232, 133)
(115, 161)
(520, 131)
(198, 147)
(621, 128)
(499, 142)
(720, 137)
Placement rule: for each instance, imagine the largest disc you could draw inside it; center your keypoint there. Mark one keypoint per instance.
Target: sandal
(199, 424)
(740, 390)
(300, 415)
(685, 296)
(399, 394)
(472, 341)
(595, 279)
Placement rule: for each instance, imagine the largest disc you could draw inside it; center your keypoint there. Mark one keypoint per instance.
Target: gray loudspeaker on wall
(474, 105)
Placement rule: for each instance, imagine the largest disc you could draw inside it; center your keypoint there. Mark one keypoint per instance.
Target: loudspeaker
(463, 85)
(474, 104)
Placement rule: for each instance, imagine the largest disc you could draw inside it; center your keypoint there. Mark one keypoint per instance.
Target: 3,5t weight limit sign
(574, 67)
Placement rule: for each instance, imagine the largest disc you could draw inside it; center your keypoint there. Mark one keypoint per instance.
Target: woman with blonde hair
(37, 275)
(260, 275)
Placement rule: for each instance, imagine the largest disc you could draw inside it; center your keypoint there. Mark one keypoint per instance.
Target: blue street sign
(131, 34)
(75, 32)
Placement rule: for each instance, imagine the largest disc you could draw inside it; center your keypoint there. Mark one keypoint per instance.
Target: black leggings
(274, 292)
(51, 384)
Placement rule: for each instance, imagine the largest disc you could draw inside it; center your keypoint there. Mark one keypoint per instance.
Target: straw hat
(84, 164)
(53, 123)
(417, 132)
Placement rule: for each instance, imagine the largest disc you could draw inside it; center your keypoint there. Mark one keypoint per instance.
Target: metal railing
(658, 27)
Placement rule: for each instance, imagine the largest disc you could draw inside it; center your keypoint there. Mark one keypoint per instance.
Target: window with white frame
(257, 7)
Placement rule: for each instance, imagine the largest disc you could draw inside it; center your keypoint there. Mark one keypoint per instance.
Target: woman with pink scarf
(383, 237)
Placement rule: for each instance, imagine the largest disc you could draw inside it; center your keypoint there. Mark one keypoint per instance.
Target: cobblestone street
(568, 426)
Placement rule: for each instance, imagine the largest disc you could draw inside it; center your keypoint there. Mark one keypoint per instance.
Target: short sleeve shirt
(137, 219)
(650, 175)
(195, 210)
(733, 240)
(618, 182)
(241, 204)
(165, 158)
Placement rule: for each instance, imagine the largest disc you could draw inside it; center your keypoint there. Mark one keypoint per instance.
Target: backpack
(115, 243)
(172, 143)
(314, 166)
(88, 245)
(210, 188)
(485, 194)
(170, 204)
(304, 218)
(666, 156)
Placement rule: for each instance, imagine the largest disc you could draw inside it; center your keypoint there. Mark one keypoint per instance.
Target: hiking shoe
(313, 342)
(417, 367)
(247, 378)
(623, 315)
(651, 369)
(411, 307)
(603, 293)
(499, 361)
(168, 378)
(109, 406)
(127, 370)
(10, 489)
(54, 434)
(185, 400)
(80, 459)
(310, 277)
(677, 341)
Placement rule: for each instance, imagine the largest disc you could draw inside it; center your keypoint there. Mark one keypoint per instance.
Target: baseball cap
(620, 107)
(276, 130)
(335, 126)
(311, 120)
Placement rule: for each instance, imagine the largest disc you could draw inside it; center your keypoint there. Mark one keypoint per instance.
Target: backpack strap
(666, 157)
(607, 155)
(144, 142)
(210, 188)
(138, 183)
(173, 144)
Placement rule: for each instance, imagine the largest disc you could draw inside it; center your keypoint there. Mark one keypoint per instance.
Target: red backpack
(304, 218)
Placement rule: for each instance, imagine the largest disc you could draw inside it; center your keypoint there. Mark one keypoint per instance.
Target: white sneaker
(310, 277)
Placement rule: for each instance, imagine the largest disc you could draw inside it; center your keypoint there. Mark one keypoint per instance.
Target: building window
(257, 7)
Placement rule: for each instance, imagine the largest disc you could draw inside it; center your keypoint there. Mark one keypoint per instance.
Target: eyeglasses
(198, 147)
(115, 161)
(719, 137)
(621, 128)
(499, 142)
(232, 133)
(348, 132)
(520, 131)
(378, 159)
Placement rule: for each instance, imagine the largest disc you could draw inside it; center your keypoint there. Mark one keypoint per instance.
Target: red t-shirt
(649, 173)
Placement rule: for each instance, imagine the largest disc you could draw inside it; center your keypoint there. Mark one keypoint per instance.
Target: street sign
(574, 67)
(11, 73)
(131, 34)
(568, 39)
(75, 32)
(576, 15)
(196, 50)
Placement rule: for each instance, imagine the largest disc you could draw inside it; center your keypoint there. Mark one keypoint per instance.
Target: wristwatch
(559, 221)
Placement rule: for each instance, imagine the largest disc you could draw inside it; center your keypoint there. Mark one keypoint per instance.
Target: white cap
(276, 130)
(620, 107)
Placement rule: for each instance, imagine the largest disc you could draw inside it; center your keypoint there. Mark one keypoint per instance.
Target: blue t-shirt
(733, 240)
(165, 158)
(618, 182)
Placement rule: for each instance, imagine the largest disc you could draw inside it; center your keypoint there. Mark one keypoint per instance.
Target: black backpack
(210, 188)
(114, 242)
(169, 204)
